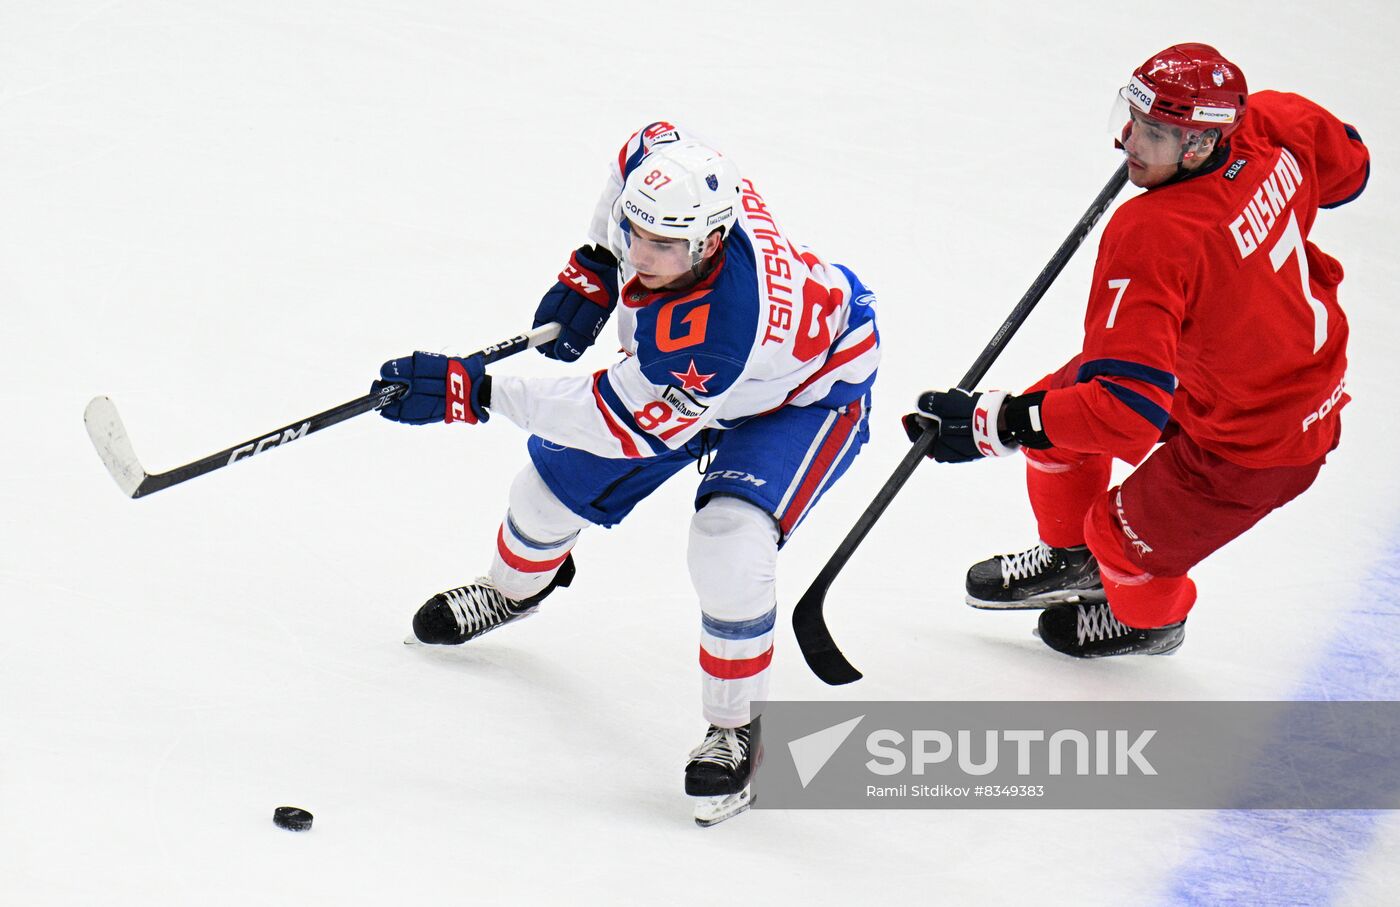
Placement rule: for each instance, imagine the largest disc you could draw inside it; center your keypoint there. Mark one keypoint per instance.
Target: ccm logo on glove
(459, 385)
(586, 283)
(579, 302)
(439, 389)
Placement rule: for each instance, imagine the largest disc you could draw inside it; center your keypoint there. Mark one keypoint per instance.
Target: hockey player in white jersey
(741, 349)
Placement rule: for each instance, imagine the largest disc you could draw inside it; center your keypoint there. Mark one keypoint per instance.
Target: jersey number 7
(1289, 243)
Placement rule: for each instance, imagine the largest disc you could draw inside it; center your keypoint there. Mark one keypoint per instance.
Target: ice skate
(1035, 578)
(453, 617)
(714, 810)
(719, 772)
(1091, 631)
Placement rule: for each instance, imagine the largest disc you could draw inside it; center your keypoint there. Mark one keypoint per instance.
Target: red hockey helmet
(1192, 86)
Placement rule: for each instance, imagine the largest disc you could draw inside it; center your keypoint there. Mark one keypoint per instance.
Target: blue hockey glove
(967, 423)
(440, 389)
(580, 302)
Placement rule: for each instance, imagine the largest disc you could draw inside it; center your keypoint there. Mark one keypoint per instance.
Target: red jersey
(1211, 308)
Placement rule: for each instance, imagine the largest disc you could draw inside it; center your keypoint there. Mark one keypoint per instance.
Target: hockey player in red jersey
(1212, 327)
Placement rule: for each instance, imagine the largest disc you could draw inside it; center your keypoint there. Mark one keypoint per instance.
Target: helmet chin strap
(700, 267)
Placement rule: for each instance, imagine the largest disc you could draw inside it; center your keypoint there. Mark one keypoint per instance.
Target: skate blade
(1165, 653)
(714, 810)
(1172, 651)
(1022, 605)
(1037, 603)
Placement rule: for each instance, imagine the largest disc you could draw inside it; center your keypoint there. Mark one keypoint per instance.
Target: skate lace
(723, 746)
(1031, 562)
(478, 607)
(1096, 622)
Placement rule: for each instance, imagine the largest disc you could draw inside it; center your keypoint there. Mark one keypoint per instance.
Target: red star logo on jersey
(691, 379)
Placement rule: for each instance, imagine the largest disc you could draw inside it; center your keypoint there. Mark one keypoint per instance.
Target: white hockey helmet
(682, 190)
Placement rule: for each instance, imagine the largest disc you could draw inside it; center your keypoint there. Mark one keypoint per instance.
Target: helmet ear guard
(1212, 136)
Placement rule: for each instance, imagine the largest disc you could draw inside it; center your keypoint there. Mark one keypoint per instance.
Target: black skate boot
(719, 770)
(1035, 578)
(451, 618)
(1091, 631)
(724, 762)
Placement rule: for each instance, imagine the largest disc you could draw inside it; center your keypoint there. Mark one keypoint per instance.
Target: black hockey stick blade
(808, 621)
(114, 447)
(808, 616)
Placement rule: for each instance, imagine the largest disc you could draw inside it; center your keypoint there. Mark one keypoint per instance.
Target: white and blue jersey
(771, 327)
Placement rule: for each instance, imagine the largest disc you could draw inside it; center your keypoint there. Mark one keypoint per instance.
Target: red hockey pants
(1182, 504)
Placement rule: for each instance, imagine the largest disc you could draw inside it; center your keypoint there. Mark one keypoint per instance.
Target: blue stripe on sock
(740, 629)
(535, 545)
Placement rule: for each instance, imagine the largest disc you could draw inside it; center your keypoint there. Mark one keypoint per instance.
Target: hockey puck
(292, 818)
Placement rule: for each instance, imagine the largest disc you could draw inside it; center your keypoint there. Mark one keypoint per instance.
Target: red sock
(1062, 490)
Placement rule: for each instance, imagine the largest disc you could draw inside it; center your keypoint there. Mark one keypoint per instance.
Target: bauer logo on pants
(1079, 755)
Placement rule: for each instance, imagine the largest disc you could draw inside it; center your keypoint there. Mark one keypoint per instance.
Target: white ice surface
(225, 215)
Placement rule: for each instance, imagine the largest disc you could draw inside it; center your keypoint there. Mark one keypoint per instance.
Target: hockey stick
(813, 636)
(109, 436)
